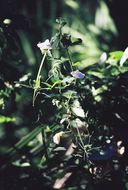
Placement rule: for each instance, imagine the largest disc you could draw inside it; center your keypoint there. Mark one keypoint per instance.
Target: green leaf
(100, 90)
(77, 41)
(24, 141)
(56, 82)
(4, 119)
(116, 55)
(68, 94)
(1, 102)
(114, 71)
(47, 84)
(37, 84)
(96, 74)
(76, 64)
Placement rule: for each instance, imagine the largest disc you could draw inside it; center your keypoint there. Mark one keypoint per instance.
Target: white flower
(124, 57)
(44, 46)
(77, 109)
(103, 58)
(57, 136)
(121, 150)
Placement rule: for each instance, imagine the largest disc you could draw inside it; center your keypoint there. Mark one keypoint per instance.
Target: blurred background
(101, 24)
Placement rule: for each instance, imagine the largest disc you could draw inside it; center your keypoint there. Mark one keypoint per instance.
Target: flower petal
(46, 45)
(77, 74)
(124, 57)
(103, 58)
(57, 136)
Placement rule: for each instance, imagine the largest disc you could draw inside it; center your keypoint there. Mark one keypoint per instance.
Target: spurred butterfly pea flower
(77, 74)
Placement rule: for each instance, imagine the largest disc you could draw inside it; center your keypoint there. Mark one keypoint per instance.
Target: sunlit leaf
(96, 74)
(4, 119)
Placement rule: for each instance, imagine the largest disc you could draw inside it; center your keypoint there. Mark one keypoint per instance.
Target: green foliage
(4, 119)
(59, 128)
(78, 104)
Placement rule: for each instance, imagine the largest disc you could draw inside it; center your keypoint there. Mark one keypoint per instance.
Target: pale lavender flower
(77, 74)
(44, 46)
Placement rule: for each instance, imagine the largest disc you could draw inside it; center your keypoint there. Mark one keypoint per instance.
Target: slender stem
(44, 144)
(27, 86)
(82, 143)
(38, 77)
(70, 60)
(41, 65)
(80, 136)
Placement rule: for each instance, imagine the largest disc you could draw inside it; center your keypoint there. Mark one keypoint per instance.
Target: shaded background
(102, 26)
